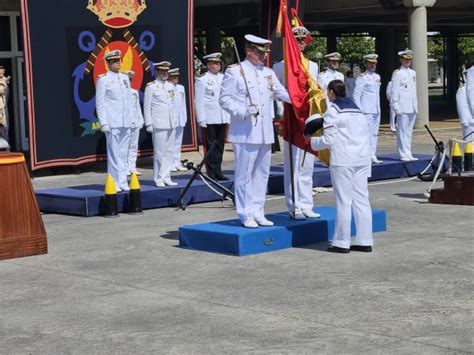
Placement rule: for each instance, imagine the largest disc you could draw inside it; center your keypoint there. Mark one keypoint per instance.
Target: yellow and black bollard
(135, 198)
(110, 198)
(457, 159)
(468, 157)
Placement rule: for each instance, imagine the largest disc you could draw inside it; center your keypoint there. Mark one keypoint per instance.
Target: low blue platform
(88, 200)
(229, 237)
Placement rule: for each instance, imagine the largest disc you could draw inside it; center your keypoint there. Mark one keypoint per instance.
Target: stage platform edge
(229, 237)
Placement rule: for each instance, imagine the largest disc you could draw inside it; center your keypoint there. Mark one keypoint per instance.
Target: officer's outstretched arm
(280, 91)
(329, 134)
(100, 102)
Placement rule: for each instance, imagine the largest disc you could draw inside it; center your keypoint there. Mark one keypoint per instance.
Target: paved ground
(122, 285)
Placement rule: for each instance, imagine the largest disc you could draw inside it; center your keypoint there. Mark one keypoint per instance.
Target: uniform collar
(404, 68)
(331, 70)
(159, 81)
(256, 67)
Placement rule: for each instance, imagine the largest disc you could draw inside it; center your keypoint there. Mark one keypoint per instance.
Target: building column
(418, 41)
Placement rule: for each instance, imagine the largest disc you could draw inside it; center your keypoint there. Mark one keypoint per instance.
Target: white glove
(149, 129)
(105, 128)
(202, 124)
(252, 110)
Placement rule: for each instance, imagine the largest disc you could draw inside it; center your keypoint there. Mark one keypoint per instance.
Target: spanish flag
(306, 95)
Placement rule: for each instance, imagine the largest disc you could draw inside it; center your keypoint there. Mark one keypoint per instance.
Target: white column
(418, 42)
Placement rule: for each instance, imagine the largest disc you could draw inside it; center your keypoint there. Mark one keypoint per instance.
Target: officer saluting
(331, 73)
(247, 93)
(367, 97)
(210, 116)
(114, 104)
(161, 122)
(404, 103)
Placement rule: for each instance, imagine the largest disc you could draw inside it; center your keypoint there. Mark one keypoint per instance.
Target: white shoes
(124, 188)
(181, 168)
(405, 159)
(412, 158)
(160, 183)
(173, 170)
(250, 223)
(264, 222)
(137, 173)
(168, 182)
(375, 160)
(298, 215)
(310, 214)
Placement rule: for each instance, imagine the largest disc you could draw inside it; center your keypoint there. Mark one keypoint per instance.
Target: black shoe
(338, 250)
(221, 177)
(363, 248)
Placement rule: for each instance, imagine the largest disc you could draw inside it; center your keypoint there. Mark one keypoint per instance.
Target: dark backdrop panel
(65, 131)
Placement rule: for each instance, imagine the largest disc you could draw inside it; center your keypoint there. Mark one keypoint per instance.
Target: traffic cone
(110, 198)
(457, 159)
(468, 157)
(135, 196)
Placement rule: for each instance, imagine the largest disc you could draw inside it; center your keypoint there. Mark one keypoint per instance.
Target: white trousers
(252, 168)
(466, 129)
(393, 120)
(117, 151)
(352, 195)
(163, 153)
(177, 150)
(133, 149)
(374, 124)
(303, 178)
(405, 124)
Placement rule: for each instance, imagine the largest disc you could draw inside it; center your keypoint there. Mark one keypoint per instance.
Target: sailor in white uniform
(303, 164)
(331, 73)
(247, 94)
(180, 108)
(138, 122)
(404, 102)
(161, 120)
(114, 103)
(346, 135)
(367, 97)
(210, 115)
(464, 112)
(470, 86)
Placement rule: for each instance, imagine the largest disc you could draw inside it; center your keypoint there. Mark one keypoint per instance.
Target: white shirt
(159, 106)
(328, 75)
(346, 135)
(403, 99)
(137, 116)
(367, 92)
(470, 89)
(206, 99)
(264, 87)
(114, 100)
(180, 105)
(464, 112)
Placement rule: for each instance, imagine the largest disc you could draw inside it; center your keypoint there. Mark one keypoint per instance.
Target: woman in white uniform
(346, 135)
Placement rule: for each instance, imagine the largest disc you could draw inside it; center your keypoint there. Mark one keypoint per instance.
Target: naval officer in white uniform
(404, 102)
(251, 130)
(114, 105)
(210, 115)
(161, 121)
(470, 86)
(303, 164)
(346, 135)
(464, 112)
(331, 73)
(367, 97)
(182, 112)
(138, 121)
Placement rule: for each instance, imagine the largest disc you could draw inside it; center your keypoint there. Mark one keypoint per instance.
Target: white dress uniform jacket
(159, 105)
(138, 121)
(206, 100)
(464, 112)
(264, 86)
(346, 134)
(114, 102)
(328, 75)
(470, 89)
(180, 104)
(137, 116)
(279, 69)
(367, 92)
(403, 97)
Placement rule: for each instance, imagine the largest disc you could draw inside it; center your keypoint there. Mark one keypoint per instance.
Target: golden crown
(117, 13)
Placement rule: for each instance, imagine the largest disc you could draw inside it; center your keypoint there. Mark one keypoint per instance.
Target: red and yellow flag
(306, 95)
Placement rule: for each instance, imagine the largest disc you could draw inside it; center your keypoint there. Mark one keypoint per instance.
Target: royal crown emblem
(117, 13)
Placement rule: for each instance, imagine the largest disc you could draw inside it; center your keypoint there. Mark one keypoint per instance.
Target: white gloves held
(149, 129)
(105, 128)
(252, 110)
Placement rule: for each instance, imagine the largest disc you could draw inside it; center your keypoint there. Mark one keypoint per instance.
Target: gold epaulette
(150, 83)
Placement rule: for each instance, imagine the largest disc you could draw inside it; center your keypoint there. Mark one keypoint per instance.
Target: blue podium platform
(229, 237)
(87, 200)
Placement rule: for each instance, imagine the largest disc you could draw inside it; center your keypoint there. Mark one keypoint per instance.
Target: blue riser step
(229, 237)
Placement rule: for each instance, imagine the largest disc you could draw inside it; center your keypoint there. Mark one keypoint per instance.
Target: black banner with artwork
(66, 41)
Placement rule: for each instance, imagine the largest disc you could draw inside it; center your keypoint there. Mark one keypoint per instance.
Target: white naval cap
(116, 54)
(300, 32)
(371, 57)
(261, 44)
(174, 71)
(213, 57)
(165, 65)
(333, 56)
(407, 54)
